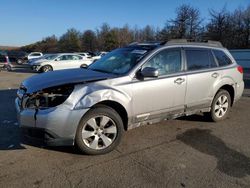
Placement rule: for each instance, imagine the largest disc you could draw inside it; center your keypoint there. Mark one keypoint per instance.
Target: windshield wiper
(98, 70)
(103, 71)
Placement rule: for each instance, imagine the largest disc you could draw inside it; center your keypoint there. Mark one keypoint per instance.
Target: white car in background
(34, 55)
(59, 62)
(84, 54)
(99, 55)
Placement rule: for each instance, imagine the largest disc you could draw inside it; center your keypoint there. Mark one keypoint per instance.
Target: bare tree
(232, 28)
(219, 27)
(89, 41)
(186, 24)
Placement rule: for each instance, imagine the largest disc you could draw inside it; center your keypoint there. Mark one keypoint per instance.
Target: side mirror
(149, 72)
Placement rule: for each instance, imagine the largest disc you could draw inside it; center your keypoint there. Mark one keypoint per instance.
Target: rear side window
(222, 58)
(199, 59)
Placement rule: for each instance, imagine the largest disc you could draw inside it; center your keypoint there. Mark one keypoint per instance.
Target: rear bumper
(239, 91)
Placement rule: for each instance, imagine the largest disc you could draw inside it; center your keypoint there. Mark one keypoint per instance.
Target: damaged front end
(40, 116)
(47, 98)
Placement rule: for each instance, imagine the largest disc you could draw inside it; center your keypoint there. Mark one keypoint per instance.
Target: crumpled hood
(61, 77)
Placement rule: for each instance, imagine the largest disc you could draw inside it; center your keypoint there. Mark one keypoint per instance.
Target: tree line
(231, 28)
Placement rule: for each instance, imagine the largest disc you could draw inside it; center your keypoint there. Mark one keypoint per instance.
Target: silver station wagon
(142, 83)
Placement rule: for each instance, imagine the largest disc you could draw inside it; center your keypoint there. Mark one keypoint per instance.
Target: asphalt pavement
(187, 152)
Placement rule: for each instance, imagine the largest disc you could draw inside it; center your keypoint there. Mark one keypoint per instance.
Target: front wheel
(47, 68)
(220, 106)
(99, 131)
(83, 66)
(8, 67)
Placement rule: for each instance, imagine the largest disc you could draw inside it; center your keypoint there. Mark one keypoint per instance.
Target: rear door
(202, 75)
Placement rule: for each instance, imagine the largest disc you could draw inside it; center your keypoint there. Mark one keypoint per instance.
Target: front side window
(198, 59)
(166, 62)
(63, 58)
(222, 58)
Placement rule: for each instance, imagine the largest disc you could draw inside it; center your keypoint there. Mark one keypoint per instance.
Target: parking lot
(187, 152)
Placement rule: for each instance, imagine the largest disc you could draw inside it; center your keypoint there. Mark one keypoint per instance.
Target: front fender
(97, 93)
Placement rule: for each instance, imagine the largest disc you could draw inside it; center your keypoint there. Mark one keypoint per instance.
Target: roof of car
(65, 54)
(182, 42)
(208, 43)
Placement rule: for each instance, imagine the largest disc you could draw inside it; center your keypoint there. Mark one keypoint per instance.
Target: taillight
(240, 69)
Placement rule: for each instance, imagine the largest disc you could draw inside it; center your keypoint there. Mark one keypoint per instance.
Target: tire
(83, 66)
(92, 138)
(8, 68)
(20, 61)
(46, 68)
(220, 107)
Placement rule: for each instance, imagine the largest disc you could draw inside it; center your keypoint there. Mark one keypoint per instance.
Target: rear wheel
(47, 68)
(99, 131)
(8, 67)
(220, 106)
(20, 61)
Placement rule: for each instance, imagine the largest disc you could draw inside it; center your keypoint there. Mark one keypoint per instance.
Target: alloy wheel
(99, 132)
(46, 69)
(221, 106)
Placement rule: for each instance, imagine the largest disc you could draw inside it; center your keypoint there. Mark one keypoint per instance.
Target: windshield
(119, 61)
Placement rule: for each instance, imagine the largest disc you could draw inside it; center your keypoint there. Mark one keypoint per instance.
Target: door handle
(215, 75)
(179, 80)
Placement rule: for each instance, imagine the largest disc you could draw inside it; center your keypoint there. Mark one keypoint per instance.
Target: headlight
(49, 97)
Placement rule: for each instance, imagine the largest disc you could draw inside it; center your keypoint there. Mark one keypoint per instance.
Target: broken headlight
(49, 97)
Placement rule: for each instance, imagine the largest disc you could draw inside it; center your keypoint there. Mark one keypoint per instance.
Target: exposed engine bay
(47, 98)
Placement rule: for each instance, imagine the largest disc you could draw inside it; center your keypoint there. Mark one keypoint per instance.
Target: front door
(62, 62)
(154, 97)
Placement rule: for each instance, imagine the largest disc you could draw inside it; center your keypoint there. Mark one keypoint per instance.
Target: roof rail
(148, 43)
(133, 43)
(191, 41)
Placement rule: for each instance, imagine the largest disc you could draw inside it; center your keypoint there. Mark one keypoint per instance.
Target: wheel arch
(230, 89)
(119, 108)
(46, 65)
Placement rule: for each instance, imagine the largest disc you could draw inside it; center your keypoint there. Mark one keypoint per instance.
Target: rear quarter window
(222, 58)
(199, 59)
